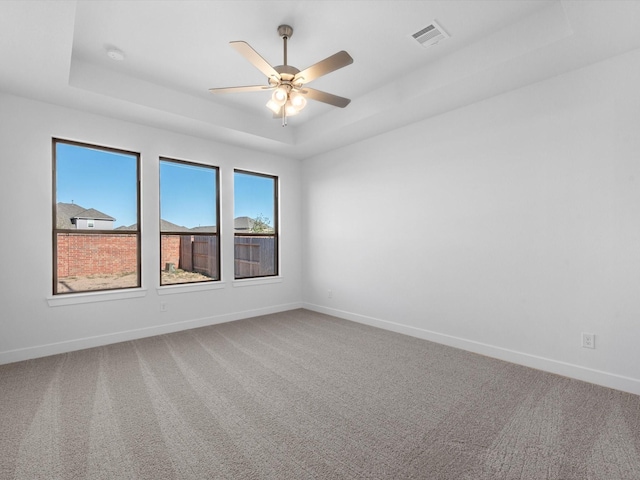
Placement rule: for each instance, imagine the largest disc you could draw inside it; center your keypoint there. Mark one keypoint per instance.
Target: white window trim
(92, 297)
(190, 287)
(250, 282)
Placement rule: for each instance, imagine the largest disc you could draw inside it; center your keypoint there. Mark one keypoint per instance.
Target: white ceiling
(176, 50)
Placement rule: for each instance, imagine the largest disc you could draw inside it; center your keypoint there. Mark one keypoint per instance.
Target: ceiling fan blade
(249, 88)
(325, 97)
(328, 65)
(244, 49)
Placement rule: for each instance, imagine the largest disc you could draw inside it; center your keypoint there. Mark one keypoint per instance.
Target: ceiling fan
(290, 92)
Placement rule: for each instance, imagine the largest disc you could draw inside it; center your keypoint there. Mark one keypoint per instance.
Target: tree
(261, 224)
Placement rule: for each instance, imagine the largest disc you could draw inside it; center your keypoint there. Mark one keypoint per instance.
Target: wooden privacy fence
(254, 256)
(199, 253)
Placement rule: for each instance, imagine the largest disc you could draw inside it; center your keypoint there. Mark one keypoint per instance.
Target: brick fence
(108, 254)
(90, 254)
(170, 250)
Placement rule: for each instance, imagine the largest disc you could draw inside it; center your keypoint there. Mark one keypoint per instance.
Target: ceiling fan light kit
(290, 94)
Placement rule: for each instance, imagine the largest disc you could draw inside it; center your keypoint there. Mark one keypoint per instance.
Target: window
(96, 218)
(189, 247)
(255, 224)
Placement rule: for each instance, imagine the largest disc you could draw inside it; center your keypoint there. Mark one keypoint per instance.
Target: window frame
(276, 228)
(194, 234)
(93, 231)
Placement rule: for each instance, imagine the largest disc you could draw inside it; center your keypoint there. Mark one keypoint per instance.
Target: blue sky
(253, 196)
(187, 194)
(106, 181)
(97, 179)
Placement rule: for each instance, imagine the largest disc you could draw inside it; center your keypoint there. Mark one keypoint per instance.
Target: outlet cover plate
(588, 340)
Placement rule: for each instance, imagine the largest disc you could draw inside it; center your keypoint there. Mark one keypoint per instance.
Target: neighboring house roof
(243, 223)
(204, 229)
(93, 213)
(247, 224)
(129, 227)
(68, 211)
(166, 226)
(65, 212)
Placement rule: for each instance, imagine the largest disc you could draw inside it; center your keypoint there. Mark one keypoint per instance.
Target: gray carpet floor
(300, 395)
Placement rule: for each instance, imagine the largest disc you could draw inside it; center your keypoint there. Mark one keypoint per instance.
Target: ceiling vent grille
(430, 35)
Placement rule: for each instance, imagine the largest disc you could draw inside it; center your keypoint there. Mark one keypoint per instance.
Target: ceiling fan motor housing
(285, 31)
(287, 72)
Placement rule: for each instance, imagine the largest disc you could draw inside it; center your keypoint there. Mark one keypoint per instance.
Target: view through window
(255, 225)
(96, 227)
(189, 213)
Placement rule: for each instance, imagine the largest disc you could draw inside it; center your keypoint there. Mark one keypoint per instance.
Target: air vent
(430, 35)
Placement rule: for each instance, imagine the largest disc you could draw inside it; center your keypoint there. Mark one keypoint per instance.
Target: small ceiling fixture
(115, 54)
(430, 35)
(290, 94)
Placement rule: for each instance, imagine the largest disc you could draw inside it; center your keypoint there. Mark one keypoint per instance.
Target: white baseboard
(598, 377)
(18, 355)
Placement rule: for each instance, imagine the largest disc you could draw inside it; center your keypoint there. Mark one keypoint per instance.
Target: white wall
(507, 227)
(29, 327)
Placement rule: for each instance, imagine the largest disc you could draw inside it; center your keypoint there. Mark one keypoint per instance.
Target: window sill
(249, 282)
(189, 287)
(92, 297)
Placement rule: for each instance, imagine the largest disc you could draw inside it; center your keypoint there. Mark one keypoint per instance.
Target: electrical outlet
(330, 293)
(588, 340)
(163, 307)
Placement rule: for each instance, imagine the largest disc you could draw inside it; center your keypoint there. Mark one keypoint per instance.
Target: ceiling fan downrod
(285, 31)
